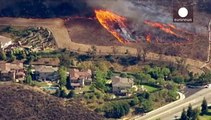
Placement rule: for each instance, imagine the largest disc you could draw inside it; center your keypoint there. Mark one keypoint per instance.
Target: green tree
(165, 71)
(62, 76)
(65, 60)
(11, 56)
(28, 79)
(172, 95)
(3, 55)
(190, 112)
(63, 94)
(184, 115)
(147, 105)
(204, 107)
(142, 77)
(71, 94)
(134, 101)
(116, 109)
(109, 74)
(204, 79)
(20, 55)
(100, 82)
(98, 94)
(57, 93)
(102, 66)
(123, 75)
(178, 79)
(195, 114)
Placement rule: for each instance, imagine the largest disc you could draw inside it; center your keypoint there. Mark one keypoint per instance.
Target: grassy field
(149, 88)
(206, 116)
(43, 84)
(81, 90)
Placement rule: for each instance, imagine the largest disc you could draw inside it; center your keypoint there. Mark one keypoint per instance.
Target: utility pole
(209, 48)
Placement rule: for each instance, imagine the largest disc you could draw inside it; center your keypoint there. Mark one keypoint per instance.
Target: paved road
(168, 112)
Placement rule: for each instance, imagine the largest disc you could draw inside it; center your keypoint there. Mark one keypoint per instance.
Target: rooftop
(122, 82)
(16, 65)
(47, 69)
(75, 73)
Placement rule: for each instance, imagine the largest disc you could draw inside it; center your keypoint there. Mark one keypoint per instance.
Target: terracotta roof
(75, 73)
(122, 82)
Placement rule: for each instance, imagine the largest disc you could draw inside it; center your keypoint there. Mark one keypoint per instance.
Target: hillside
(18, 102)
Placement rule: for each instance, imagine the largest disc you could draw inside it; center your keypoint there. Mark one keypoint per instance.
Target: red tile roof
(75, 73)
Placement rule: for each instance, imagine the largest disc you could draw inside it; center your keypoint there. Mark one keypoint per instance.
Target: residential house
(120, 86)
(5, 42)
(45, 73)
(12, 71)
(80, 78)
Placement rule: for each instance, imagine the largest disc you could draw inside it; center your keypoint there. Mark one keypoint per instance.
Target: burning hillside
(115, 24)
(118, 27)
(114, 27)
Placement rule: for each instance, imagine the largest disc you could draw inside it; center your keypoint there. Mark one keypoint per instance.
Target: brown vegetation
(18, 102)
(86, 31)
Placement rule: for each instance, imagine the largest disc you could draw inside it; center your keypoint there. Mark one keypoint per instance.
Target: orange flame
(107, 19)
(148, 38)
(168, 28)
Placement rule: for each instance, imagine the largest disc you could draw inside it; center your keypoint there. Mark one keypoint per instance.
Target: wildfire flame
(148, 38)
(117, 26)
(168, 28)
(107, 19)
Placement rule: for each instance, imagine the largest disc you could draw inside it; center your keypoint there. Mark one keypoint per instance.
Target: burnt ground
(190, 91)
(18, 102)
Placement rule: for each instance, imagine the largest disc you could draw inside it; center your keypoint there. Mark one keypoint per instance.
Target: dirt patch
(88, 31)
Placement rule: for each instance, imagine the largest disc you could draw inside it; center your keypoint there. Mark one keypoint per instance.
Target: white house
(5, 42)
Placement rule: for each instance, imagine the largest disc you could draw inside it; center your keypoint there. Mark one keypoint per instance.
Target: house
(120, 86)
(12, 71)
(5, 42)
(45, 73)
(80, 78)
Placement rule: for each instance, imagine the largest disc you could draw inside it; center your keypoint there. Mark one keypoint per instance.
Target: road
(63, 40)
(171, 110)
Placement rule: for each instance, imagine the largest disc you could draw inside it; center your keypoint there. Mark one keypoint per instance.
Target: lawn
(42, 84)
(81, 90)
(206, 116)
(149, 88)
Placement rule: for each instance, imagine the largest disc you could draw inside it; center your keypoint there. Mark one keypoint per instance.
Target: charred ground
(22, 102)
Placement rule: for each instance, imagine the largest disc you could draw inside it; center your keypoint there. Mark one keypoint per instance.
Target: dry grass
(19, 102)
